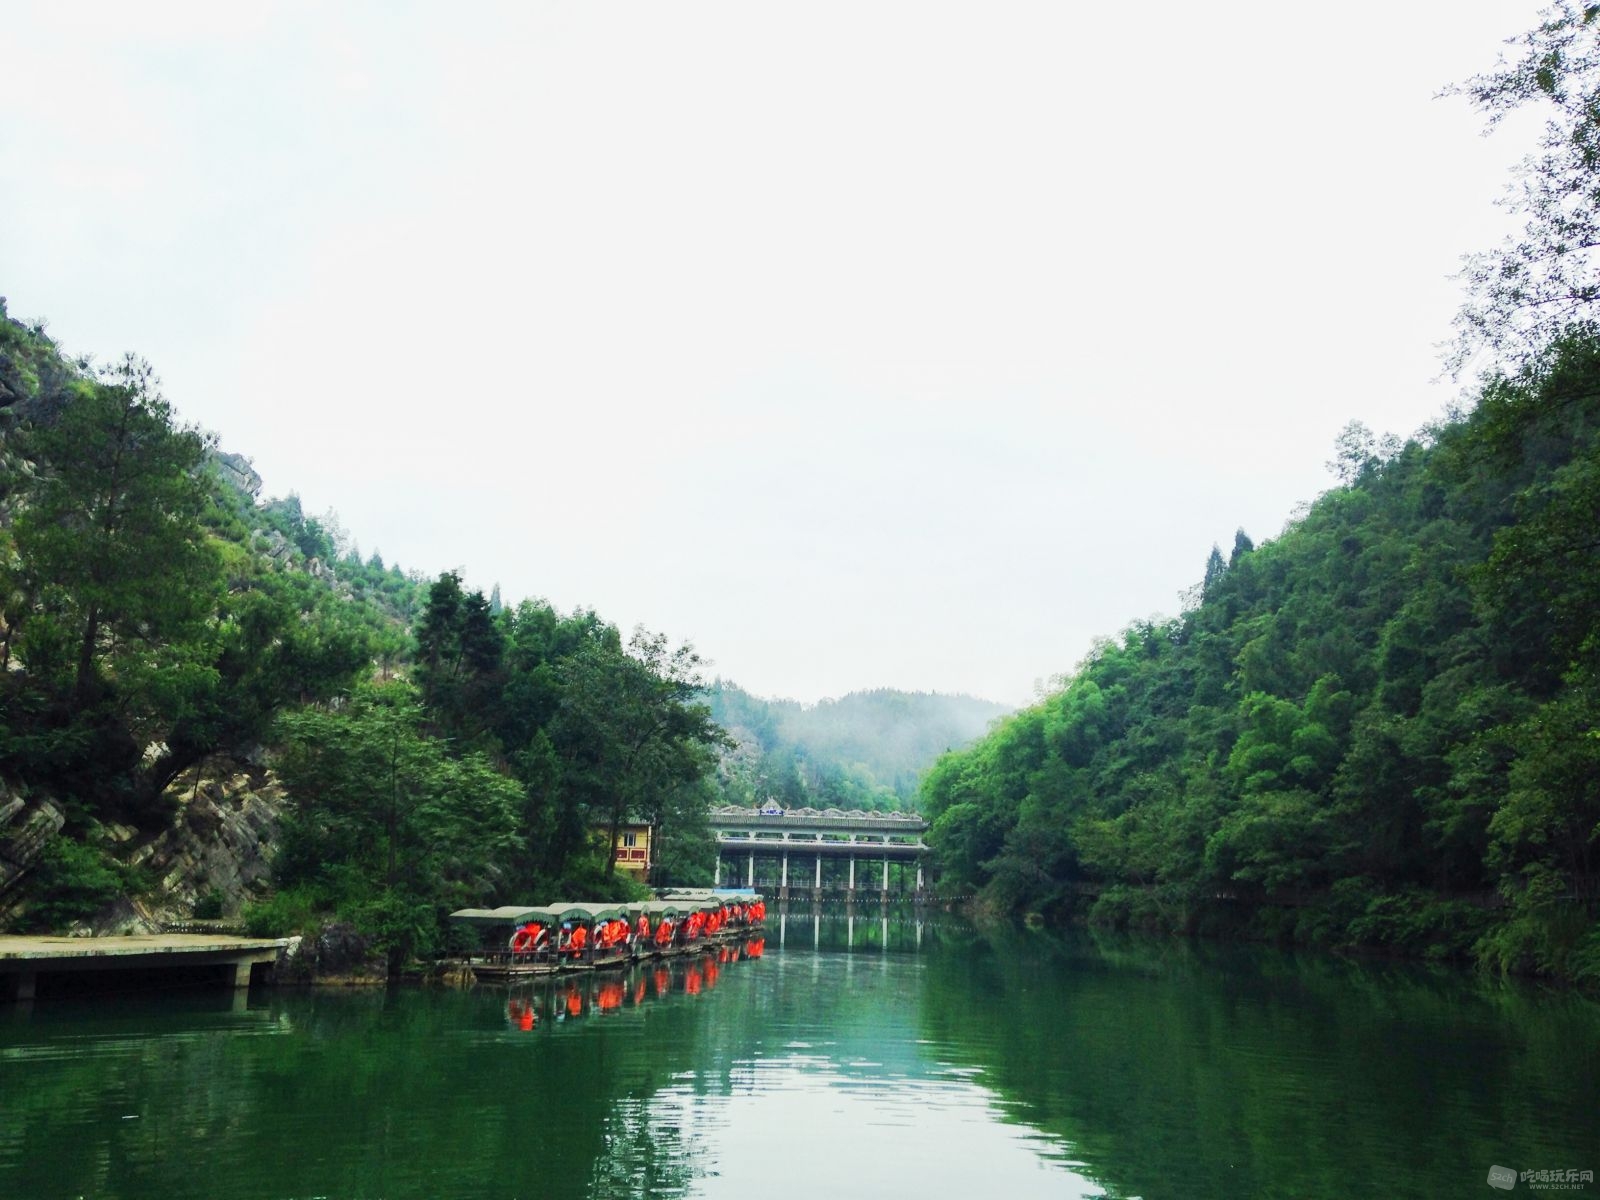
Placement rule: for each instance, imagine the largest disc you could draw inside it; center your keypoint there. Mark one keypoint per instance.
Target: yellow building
(632, 851)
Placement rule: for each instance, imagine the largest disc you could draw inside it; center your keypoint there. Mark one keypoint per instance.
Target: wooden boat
(587, 916)
(501, 954)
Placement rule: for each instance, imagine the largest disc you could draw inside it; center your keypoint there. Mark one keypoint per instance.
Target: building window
(629, 839)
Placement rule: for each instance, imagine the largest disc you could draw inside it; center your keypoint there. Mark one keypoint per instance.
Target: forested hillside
(866, 750)
(175, 649)
(1382, 728)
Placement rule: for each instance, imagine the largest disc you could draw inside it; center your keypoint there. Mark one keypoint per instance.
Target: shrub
(295, 910)
(72, 881)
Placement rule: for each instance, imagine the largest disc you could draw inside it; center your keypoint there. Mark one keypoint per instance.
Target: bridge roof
(732, 815)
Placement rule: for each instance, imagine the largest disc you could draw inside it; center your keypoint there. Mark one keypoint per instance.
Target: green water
(868, 1058)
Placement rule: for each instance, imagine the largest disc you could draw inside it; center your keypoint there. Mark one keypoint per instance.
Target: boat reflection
(537, 1002)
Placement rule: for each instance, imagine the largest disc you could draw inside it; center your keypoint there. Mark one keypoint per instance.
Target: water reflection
(1200, 1070)
(541, 1000)
(864, 1053)
(896, 927)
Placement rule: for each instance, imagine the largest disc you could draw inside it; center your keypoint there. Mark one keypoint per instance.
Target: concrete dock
(23, 960)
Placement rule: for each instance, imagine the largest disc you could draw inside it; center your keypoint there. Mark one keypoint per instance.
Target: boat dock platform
(25, 962)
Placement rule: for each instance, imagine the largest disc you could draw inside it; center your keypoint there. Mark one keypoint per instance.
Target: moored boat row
(527, 940)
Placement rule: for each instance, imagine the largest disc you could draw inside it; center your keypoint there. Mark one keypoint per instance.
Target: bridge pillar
(783, 883)
(716, 878)
(817, 895)
(852, 877)
(241, 974)
(919, 876)
(886, 876)
(750, 879)
(27, 984)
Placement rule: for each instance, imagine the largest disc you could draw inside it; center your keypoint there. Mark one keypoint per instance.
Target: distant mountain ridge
(867, 749)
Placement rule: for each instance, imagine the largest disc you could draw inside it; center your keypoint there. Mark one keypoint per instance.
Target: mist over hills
(864, 750)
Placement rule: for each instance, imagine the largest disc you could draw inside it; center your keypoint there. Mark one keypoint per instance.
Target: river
(872, 1058)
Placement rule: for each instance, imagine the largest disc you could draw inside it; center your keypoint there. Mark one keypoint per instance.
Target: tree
(459, 651)
(632, 727)
(263, 654)
(116, 566)
(1216, 568)
(1545, 279)
(386, 823)
(1242, 545)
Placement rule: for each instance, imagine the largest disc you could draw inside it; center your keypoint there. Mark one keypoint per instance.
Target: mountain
(865, 750)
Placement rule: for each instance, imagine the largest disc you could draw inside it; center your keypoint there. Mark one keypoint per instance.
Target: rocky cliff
(218, 847)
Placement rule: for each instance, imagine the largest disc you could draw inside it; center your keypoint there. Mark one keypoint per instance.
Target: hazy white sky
(862, 344)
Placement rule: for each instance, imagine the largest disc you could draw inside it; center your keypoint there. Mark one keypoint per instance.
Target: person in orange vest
(579, 941)
(664, 932)
(641, 931)
(529, 938)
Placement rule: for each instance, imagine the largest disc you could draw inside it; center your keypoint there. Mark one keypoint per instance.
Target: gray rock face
(237, 470)
(220, 842)
(275, 547)
(26, 827)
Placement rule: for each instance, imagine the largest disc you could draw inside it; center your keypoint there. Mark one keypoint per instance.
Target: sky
(860, 344)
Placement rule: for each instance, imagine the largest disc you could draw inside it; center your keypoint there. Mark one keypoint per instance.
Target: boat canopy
(582, 910)
(657, 909)
(712, 896)
(506, 914)
(691, 904)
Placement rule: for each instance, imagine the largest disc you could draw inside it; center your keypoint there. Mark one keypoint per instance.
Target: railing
(874, 824)
(811, 841)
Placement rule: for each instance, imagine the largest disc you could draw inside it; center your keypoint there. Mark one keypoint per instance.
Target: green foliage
(631, 727)
(155, 615)
(1361, 732)
(1541, 282)
(111, 557)
(287, 912)
(71, 881)
(388, 824)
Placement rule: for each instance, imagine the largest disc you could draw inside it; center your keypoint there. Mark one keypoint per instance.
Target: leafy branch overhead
(1545, 279)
